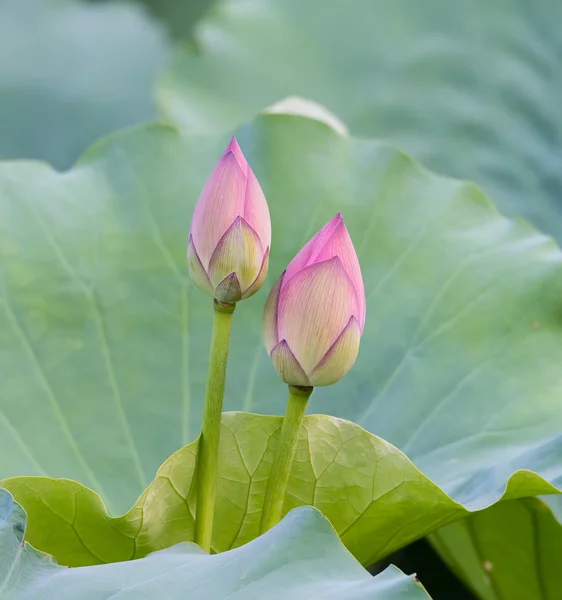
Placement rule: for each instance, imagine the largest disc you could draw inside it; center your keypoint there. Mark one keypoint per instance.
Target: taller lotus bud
(230, 234)
(315, 314)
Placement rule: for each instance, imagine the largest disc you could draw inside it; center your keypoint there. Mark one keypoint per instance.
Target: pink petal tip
(234, 147)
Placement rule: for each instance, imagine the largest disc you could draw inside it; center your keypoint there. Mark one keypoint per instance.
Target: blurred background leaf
(71, 72)
(471, 89)
(179, 16)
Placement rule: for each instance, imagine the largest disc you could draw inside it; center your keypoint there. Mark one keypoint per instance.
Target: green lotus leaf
(373, 495)
(511, 550)
(104, 340)
(72, 72)
(299, 558)
(472, 92)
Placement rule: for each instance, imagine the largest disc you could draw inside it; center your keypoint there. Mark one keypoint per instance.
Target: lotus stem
(283, 462)
(208, 450)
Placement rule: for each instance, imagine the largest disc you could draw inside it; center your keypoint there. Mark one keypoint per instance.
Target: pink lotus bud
(314, 315)
(230, 235)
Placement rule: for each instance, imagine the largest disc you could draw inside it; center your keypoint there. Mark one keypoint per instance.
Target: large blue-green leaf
(71, 72)
(471, 89)
(301, 558)
(103, 340)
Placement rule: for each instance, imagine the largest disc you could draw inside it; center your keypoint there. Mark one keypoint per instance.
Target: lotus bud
(315, 314)
(230, 234)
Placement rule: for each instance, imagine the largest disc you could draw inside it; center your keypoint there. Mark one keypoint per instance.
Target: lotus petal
(287, 366)
(234, 147)
(269, 323)
(228, 290)
(258, 281)
(196, 270)
(256, 211)
(339, 243)
(239, 251)
(340, 357)
(306, 255)
(220, 202)
(314, 307)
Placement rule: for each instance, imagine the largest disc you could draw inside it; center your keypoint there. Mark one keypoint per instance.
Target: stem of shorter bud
(281, 468)
(208, 450)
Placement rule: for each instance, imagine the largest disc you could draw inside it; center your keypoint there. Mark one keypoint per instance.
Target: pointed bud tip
(233, 145)
(234, 148)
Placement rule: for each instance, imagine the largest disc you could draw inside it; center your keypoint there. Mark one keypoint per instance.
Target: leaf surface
(300, 558)
(372, 494)
(71, 72)
(104, 340)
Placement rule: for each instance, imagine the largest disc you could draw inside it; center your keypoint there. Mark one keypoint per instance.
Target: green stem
(281, 468)
(208, 450)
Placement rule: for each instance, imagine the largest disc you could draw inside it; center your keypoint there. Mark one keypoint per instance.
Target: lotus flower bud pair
(315, 313)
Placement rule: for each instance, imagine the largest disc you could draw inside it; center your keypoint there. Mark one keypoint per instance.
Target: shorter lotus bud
(314, 316)
(230, 234)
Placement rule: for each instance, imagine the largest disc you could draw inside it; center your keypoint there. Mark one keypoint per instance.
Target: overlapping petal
(256, 211)
(228, 289)
(220, 202)
(287, 366)
(314, 307)
(340, 357)
(306, 256)
(239, 251)
(234, 147)
(258, 281)
(196, 270)
(270, 311)
(334, 240)
(339, 244)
